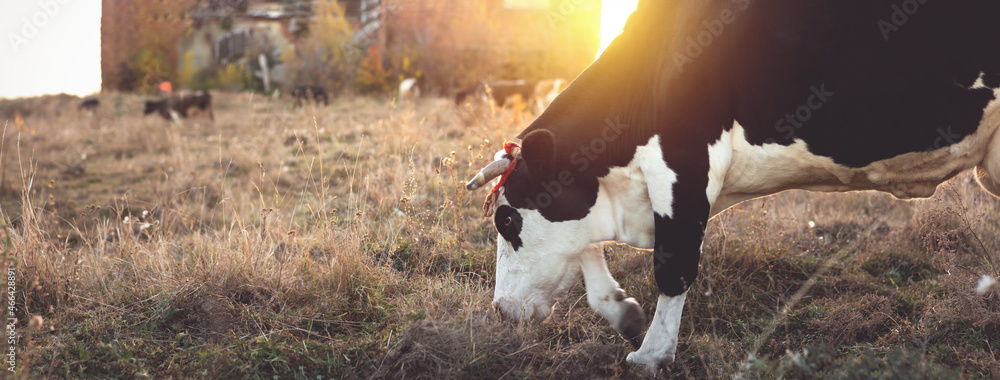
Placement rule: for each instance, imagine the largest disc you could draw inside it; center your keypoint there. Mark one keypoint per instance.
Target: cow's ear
(538, 150)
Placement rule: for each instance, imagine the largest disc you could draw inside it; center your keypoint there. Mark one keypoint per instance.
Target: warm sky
(50, 46)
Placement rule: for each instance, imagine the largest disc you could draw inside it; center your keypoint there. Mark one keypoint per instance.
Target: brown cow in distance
(180, 104)
(200, 99)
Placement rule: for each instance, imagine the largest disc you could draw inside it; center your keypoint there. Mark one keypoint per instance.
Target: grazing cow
(702, 104)
(198, 99)
(503, 92)
(546, 91)
(178, 105)
(307, 93)
(89, 104)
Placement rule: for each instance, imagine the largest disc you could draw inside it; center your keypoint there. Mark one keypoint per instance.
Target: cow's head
(541, 232)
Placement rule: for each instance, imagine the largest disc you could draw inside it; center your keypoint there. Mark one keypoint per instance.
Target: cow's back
(862, 81)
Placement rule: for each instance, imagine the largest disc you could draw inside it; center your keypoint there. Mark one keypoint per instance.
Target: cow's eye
(508, 222)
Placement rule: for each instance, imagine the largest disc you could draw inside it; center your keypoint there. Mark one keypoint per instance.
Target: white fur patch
(407, 88)
(659, 178)
(603, 293)
(720, 156)
(660, 344)
(979, 82)
(627, 198)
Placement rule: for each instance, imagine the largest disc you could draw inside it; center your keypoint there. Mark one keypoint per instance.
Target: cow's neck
(628, 96)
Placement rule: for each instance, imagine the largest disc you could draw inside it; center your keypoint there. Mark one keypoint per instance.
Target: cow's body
(202, 100)
(179, 105)
(700, 105)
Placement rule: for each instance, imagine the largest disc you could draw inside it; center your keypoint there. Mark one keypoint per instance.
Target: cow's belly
(758, 170)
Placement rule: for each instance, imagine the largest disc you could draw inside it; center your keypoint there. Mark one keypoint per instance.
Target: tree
(328, 55)
(139, 42)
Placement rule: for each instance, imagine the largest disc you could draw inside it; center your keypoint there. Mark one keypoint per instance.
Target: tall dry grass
(340, 242)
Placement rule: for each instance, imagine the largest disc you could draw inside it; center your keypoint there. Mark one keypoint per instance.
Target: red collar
(509, 148)
(495, 193)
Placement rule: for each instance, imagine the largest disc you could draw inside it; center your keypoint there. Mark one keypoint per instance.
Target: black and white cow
(702, 104)
(202, 100)
(179, 105)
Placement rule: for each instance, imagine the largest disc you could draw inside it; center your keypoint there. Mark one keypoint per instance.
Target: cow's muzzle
(533, 311)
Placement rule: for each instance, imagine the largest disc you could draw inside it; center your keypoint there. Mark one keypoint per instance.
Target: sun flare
(613, 16)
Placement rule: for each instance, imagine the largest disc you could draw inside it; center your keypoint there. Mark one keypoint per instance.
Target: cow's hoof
(647, 363)
(632, 322)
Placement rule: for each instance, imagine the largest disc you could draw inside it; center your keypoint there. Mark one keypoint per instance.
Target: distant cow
(178, 105)
(89, 104)
(501, 91)
(162, 107)
(546, 91)
(314, 93)
(200, 99)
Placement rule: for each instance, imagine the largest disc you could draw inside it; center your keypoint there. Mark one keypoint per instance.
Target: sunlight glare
(613, 16)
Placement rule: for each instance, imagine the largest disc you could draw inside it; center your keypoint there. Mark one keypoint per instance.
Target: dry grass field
(339, 242)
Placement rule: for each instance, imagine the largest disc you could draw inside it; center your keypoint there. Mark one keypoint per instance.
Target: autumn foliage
(139, 42)
(327, 56)
(447, 44)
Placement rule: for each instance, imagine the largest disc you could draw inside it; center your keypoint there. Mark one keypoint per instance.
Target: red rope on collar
(509, 148)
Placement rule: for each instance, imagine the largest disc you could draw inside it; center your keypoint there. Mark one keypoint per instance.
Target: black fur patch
(508, 222)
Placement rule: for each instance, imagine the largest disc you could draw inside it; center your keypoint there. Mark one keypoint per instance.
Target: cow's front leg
(676, 254)
(660, 344)
(608, 300)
